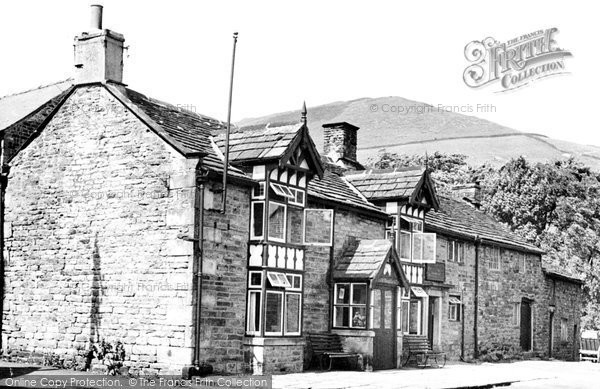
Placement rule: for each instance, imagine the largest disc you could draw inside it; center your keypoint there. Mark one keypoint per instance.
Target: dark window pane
(342, 316)
(257, 220)
(273, 310)
(359, 294)
(255, 279)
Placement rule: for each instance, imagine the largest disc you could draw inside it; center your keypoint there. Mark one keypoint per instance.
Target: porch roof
(364, 258)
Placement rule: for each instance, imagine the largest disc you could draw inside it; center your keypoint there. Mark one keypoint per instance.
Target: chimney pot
(98, 52)
(96, 17)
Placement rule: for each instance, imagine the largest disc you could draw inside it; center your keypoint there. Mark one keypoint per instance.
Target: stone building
(116, 227)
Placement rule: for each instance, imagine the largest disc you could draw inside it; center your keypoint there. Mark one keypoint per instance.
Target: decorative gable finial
(303, 113)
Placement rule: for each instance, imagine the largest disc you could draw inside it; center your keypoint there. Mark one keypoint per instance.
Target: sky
(316, 51)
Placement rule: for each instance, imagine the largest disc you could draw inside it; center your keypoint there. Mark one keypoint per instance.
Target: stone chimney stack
(471, 193)
(340, 141)
(98, 52)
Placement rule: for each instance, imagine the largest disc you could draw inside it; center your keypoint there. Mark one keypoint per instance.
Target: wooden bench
(417, 348)
(589, 350)
(326, 347)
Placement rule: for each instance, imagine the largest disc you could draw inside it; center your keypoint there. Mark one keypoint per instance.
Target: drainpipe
(476, 299)
(462, 325)
(201, 174)
(331, 265)
(4, 169)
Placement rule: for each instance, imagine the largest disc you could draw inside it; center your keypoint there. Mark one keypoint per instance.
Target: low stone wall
(274, 355)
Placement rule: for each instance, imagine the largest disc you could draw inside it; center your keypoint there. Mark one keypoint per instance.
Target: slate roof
(384, 184)
(18, 106)
(363, 260)
(264, 144)
(560, 273)
(187, 131)
(333, 187)
(20, 133)
(458, 217)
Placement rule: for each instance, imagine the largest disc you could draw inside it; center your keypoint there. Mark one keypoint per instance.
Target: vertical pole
(226, 161)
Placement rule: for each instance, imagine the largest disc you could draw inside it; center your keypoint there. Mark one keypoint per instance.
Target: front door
(384, 326)
(431, 320)
(526, 325)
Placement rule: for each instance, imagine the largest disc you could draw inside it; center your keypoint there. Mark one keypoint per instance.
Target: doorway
(526, 325)
(551, 334)
(433, 321)
(384, 325)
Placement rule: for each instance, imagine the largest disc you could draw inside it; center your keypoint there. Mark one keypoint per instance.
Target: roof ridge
(366, 172)
(36, 88)
(166, 104)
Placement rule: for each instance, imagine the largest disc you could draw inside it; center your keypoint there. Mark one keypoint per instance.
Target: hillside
(421, 128)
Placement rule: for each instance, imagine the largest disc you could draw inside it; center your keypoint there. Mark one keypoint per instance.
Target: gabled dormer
(406, 195)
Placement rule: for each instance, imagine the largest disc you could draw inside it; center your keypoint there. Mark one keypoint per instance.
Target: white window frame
(293, 276)
(453, 251)
(404, 232)
(285, 331)
(295, 199)
(516, 314)
(423, 236)
(259, 313)
(282, 311)
(455, 308)
(330, 227)
(282, 190)
(419, 314)
(399, 294)
(250, 279)
(261, 185)
(277, 279)
(270, 238)
(350, 305)
(262, 235)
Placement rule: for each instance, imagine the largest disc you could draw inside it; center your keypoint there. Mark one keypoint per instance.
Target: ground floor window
(516, 314)
(350, 305)
(277, 301)
(454, 308)
(411, 316)
(564, 329)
